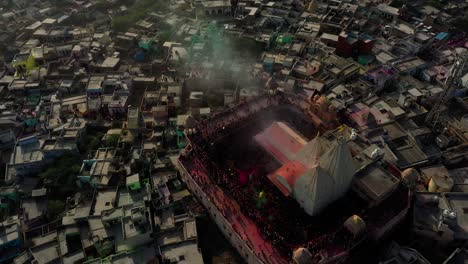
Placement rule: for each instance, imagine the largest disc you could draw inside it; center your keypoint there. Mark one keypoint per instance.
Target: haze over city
(233, 131)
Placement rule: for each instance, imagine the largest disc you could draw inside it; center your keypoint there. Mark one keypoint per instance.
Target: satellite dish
(353, 135)
(376, 153)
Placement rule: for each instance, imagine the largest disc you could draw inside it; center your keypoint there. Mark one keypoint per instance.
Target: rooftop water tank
(355, 225)
(302, 256)
(410, 177)
(440, 183)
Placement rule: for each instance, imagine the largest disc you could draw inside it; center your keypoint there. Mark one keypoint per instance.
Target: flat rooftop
(216, 3)
(186, 252)
(105, 200)
(410, 63)
(377, 182)
(281, 141)
(105, 153)
(29, 152)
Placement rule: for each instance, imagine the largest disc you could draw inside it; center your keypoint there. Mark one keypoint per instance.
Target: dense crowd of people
(244, 196)
(280, 220)
(279, 228)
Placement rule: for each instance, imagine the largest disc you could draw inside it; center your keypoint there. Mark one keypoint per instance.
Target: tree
(61, 177)
(439, 4)
(55, 208)
(164, 36)
(91, 142)
(182, 8)
(94, 143)
(398, 3)
(112, 140)
(459, 24)
(61, 3)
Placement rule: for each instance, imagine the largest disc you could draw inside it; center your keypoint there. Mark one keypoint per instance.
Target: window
(107, 203)
(181, 258)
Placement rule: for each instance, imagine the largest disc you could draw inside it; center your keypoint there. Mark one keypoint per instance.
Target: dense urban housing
(233, 131)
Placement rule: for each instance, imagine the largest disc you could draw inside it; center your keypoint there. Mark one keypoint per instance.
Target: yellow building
(24, 63)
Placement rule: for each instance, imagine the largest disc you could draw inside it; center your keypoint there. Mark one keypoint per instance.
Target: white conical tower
(338, 162)
(310, 154)
(314, 190)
